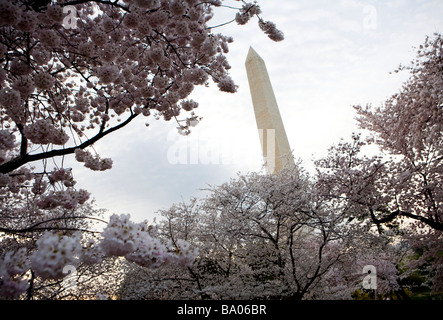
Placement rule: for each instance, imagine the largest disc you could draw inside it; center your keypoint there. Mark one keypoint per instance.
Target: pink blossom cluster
(185, 254)
(20, 67)
(10, 13)
(55, 14)
(248, 11)
(93, 162)
(12, 266)
(270, 29)
(108, 73)
(122, 237)
(43, 81)
(7, 140)
(28, 22)
(61, 175)
(25, 85)
(5, 180)
(189, 105)
(39, 186)
(43, 131)
(91, 253)
(10, 103)
(49, 38)
(68, 199)
(54, 252)
(150, 252)
(386, 269)
(226, 84)
(41, 55)
(14, 182)
(9, 98)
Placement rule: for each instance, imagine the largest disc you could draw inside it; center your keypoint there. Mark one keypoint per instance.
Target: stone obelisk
(274, 142)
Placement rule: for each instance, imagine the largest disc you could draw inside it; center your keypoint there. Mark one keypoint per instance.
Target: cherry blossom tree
(73, 72)
(400, 190)
(266, 237)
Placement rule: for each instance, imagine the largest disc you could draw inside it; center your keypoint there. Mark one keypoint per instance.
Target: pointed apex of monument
(252, 54)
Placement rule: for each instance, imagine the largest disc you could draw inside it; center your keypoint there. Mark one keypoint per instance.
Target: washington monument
(275, 145)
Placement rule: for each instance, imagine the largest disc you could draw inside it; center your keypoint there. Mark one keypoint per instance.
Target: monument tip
(252, 54)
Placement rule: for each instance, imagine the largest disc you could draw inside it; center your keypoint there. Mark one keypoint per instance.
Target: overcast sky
(336, 54)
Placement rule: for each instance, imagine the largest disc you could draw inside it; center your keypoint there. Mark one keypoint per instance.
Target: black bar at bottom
(254, 309)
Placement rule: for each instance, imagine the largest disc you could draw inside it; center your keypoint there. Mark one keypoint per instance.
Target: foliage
(73, 72)
(267, 237)
(399, 190)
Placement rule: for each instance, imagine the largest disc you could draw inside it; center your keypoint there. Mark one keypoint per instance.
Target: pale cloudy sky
(336, 54)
